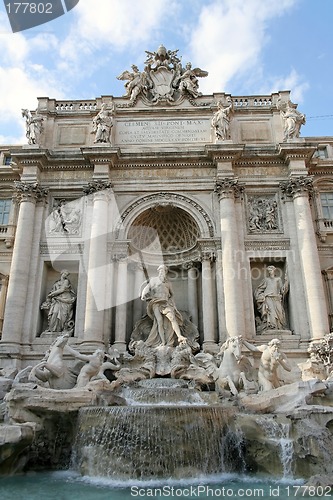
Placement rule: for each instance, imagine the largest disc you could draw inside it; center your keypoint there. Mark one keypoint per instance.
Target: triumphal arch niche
(197, 198)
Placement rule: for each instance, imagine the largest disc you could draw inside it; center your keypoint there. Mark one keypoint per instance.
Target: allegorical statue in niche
(292, 119)
(271, 359)
(59, 304)
(221, 120)
(269, 297)
(102, 124)
(161, 308)
(33, 125)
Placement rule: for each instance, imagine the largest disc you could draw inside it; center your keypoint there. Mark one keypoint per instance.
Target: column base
(210, 347)
(10, 349)
(88, 346)
(120, 346)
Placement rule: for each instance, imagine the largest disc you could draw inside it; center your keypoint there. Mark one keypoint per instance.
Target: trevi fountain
(165, 320)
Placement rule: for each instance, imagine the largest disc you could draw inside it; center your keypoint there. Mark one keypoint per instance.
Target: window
(7, 160)
(321, 153)
(327, 205)
(4, 211)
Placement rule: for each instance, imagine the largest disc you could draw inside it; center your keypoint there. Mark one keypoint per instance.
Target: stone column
(3, 295)
(220, 298)
(192, 293)
(121, 309)
(28, 193)
(300, 188)
(97, 265)
(227, 189)
(137, 304)
(328, 277)
(208, 309)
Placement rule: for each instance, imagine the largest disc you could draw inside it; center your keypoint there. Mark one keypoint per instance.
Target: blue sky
(247, 46)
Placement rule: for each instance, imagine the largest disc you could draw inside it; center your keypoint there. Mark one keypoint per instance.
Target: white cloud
(292, 82)
(229, 38)
(19, 89)
(114, 24)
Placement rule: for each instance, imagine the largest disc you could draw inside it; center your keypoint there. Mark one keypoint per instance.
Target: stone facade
(111, 188)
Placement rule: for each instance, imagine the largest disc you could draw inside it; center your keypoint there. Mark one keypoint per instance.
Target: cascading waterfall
(151, 441)
(279, 432)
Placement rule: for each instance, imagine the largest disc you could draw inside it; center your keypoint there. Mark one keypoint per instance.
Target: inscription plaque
(162, 131)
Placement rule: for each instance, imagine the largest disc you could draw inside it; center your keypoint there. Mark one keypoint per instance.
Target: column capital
(192, 264)
(119, 257)
(96, 187)
(228, 188)
(29, 191)
(297, 186)
(208, 256)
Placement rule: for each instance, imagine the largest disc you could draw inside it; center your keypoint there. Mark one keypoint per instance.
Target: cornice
(85, 166)
(162, 165)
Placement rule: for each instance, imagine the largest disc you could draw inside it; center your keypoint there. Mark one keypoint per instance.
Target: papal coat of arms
(163, 79)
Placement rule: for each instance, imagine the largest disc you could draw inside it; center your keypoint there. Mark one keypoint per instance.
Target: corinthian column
(208, 310)
(227, 189)
(192, 274)
(300, 188)
(139, 278)
(27, 194)
(121, 310)
(97, 264)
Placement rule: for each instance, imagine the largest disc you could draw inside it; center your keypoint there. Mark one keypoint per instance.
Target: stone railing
(328, 224)
(252, 102)
(70, 106)
(324, 227)
(7, 233)
(239, 102)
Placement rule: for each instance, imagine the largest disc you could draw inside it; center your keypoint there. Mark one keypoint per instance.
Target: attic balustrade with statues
(222, 192)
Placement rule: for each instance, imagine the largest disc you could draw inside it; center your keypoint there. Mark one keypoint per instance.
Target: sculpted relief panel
(65, 218)
(263, 214)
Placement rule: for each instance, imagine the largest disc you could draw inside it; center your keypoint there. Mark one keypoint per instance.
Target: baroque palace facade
(221, 189)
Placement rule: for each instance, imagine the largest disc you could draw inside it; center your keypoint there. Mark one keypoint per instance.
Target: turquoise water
(70, 486)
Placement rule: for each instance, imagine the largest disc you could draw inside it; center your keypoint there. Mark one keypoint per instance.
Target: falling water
(279, 432)
(150, 441)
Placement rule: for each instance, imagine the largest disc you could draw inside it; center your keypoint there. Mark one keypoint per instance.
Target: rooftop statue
(102, 124)
(221, 120)
(189, 82)
(136, 83)
(33, 125)
(292, 119)
(163, 79)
